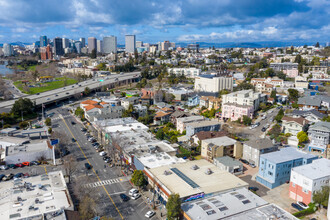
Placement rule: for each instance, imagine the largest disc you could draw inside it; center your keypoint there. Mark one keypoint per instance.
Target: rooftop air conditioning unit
(194, 167)
(208, 171)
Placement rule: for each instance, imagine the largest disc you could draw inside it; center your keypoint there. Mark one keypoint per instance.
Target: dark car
(263, 129)
(244, 161)
(13, 166)
(64, 151)
(73, 123)
(253, 188)
(2, 176)
(296, 206)
(18, 175)
(124, 197)
(73, 140)
(10, 176)
(83, 129)
(88, 166)
(34, 163)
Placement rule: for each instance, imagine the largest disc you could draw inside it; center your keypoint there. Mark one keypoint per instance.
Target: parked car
(18, 175)
(26, 175)
(302, 205)
(26, 163)
(13, 166)
(73, 123)
(133, 191)
(253, 188)
(8, 177)
(296, 206)
(244, 161)
(83, 129)
(149, 214)
(252, 165)
(34, 163)
(263, 129)
(4, 167)
(19, 165)
(124, 197)
(135, 196)
(73, 140)
(88, 166)
(102, 153)
(2, 176)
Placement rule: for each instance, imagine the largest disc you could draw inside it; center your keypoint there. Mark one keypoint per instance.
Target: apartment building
(182, 122)
(252, 149)
(213, 84)
(245, 97)
(188, 72)
(195, 127)
(293, 125)
(319, 134)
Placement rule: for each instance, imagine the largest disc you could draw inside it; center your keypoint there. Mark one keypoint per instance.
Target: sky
(151, 21)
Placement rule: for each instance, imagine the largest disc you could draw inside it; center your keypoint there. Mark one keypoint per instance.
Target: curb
(126, 176)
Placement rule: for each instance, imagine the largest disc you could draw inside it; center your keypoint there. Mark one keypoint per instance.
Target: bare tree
(70, 166)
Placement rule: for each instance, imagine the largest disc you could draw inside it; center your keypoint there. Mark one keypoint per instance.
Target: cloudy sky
(174, 20)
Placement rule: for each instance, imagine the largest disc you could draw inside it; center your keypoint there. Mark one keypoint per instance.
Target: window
(270, 173)
(293, 185)
(305, 191)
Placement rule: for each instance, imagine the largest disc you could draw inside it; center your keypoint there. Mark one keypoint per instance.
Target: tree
(322, 196)
(128, 112)
(246, 120)
(138, 178)
(293, 95)
(23, 124)
(101, 66)
(48, 122)
(279, 116)
(50, 130)
(298, 59)
(326, 118)
(223, 92)
(173, 207)
(93, 54)
(87, 207)
(23, 106)
(302, 137)
(79, 112)
(160, 134)
(87, 91)
(70, 166)
(273, 94)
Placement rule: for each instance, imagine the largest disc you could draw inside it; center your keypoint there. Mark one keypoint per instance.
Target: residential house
(219, 147)
(309, 102)
(140, 110)
(195, 127)
(235, 111)
(275, 167)
(178, 114)
(163, 116)
(301, 82)
(293, 125)
(318, 134)
(147, 97)
(203, 135)
(210, 102)
(125, 102)
(252, 149)
(193, 101)
(308, 179)
(266, 85)
(181, 122)
(229, 164)
(312, 115)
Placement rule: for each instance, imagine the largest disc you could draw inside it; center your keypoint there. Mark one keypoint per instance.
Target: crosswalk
(60, 118)
(103, 183)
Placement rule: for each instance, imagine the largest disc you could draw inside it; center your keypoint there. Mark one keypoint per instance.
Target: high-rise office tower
(7, 50)
(58, 46)
(166, 45)
(91, 44)
(99, 46)
(110, 44)
(65, 43)
(43, 41)
(130, 43)
(83, 41)
(78, 46)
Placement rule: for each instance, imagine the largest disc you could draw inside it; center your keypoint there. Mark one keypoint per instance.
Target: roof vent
(208, 171)
(166, 172)
(194, 167)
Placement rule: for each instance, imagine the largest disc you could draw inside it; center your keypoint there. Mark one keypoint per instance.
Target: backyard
(30, 87)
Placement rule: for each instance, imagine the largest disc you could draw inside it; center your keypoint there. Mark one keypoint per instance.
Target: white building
(212, 83)
(110, 44)
(181, 122)
(188, 72)
(99, 46)
(130, 43)
(7, 49)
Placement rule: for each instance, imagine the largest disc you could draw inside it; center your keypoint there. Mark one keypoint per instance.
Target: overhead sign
(53, 142)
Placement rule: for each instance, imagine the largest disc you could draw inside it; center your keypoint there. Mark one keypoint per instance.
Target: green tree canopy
(273, 94)
(302, 137)
(101, 66)
(87, 91)
(138, 178)
(23, 105)
(322, 196)
(93, 54)
(246, 120)
(160, 134)
(173, 207)
(48, 122)
(279, 115)
(293, 95)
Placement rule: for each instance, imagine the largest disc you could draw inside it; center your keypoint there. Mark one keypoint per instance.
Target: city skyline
(178, 21)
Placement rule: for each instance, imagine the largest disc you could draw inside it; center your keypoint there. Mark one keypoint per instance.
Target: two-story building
(311, 115)
(195, 127)
(318, 134)
(210, 102)
(309, 178)
(182, 122)
(293, 125)
(219, 147)
(275, 167)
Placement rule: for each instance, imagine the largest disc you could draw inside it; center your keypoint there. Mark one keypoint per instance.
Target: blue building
(43, 41)
(193, 101)
(275, 167)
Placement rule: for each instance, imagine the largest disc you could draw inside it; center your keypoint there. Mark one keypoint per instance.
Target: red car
(19, 165)
(26, 163)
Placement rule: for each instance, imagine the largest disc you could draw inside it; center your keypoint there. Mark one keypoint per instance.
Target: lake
(4, 70)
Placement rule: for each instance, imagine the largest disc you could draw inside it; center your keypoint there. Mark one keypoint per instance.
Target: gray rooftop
(220, 141)
(228, 161)
(312, 111)
(286, 154)
(317, 169)
(190, 118)
(309, 100)
(320, 126)
(202, 124)
(260, 143)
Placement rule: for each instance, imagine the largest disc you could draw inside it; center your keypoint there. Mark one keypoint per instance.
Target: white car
(3, 167)
(149, 214)
(135, 196)
(302, 205)
(133, 191)
(103, 153)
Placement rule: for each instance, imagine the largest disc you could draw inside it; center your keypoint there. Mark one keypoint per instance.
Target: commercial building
(165, 45)
(38, 197)
(235, 204)
(92, 44)
(309, 178)
(43, 41)
(46, 53)
(319, 135)
(99, 46)
(78, 46)
(191, 180)
(219, 147)
(181, 122)
(213, 84)
(83, 41)
(130, 43)
(7, 50)
(58, 46)
(66, 43)
(110, 44)
(188, 72)
(253, 149)
(275, 168)
(195, 127)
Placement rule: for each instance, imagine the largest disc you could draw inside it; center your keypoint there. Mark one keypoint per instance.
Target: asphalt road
(108, 181)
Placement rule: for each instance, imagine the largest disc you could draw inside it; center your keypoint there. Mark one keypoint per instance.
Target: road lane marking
(106, 191)
(102, 183)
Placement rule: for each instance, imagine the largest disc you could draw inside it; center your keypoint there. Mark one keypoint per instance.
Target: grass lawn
(32, 68)
(46, 86)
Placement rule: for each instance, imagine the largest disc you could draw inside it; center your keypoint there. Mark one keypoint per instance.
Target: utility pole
(22, 115)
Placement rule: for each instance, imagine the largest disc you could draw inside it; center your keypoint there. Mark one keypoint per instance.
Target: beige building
(213, 84)
(219, 147)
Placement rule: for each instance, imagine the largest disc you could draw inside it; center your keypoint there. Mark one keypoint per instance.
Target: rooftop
(228, 161)
(286, 154)
(153, 160)
(34, 196)
(309, 100)
(220, 141)
(312, 111)
(260, 143)
(299, 120)
(195, 177)
(8, 140)
(36, 146)
(320, 126)
(202, 124)
(190, 118)
(202, 135)
(317, 169)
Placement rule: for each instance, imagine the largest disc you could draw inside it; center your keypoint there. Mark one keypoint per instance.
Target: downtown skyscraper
(58, 46)
(92, 44)
(130, 43)
(110, 44)
(43, 41)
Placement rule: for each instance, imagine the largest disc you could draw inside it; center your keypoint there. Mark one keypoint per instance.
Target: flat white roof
(317, 169)
(49, 189)
(126, 127)
(30, 147)
(198, 181)
(220, 141)
(158, 159)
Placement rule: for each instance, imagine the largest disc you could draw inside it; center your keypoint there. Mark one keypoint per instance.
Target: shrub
(310, 210)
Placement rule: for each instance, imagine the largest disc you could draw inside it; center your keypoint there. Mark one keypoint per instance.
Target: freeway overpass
(69, 91)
